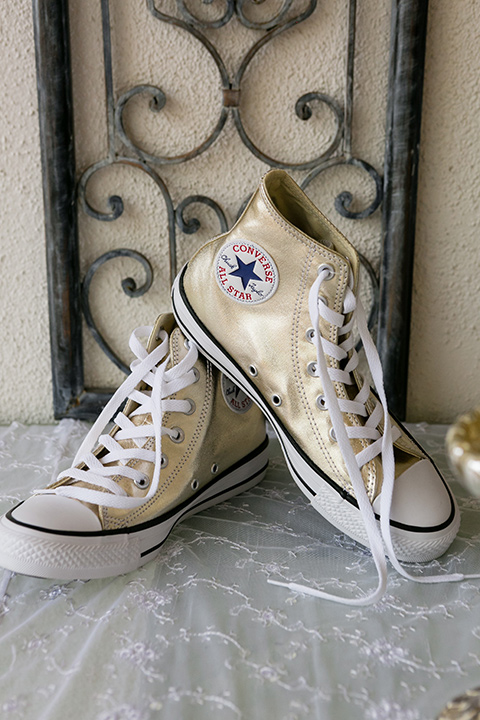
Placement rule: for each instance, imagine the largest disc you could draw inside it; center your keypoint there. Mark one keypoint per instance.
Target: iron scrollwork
(129, 287)
(193, 224)
(124, 150)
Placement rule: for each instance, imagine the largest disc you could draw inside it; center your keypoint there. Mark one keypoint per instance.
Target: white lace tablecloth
(199, 634)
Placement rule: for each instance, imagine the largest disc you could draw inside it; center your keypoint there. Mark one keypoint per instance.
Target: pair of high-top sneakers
(264, 312)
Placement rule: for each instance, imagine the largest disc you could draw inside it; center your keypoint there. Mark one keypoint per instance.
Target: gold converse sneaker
(272, 303)
(188, 438)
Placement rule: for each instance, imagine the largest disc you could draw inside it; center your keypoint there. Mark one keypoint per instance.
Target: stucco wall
(25, 378)
(444, 375)
(445, 357)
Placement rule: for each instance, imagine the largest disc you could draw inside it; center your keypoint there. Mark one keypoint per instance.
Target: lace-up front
(159, 384)
(380, 443)
(359, 468)
(169, 455)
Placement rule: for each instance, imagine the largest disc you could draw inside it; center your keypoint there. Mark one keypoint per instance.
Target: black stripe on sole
(206, 501)
(200, 496)
(276, 421)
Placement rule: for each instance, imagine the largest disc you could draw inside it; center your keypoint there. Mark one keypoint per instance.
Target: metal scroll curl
(232, 7)
(277, 26)
(193, 19)
(274, 20)
(129, 287)
(157, 102)
(191, 23)
(303, 110)
(192, 225)
(126, 150)
(343, 201)
(116, 202)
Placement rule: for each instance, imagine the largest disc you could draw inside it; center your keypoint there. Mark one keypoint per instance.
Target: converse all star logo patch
(234, 396)
(245, 272)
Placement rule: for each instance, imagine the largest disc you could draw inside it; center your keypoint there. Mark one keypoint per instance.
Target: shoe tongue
(178, 347)
(348, 252)
(163, 322)
(177, 340)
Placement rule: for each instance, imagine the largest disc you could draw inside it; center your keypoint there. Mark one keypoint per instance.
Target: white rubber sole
(410, 544)
(83, 556)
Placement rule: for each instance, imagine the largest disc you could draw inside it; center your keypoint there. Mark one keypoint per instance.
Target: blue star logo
(245, 272)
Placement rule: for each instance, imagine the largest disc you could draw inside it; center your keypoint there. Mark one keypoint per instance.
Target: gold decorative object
(464, 707)
(463, 449)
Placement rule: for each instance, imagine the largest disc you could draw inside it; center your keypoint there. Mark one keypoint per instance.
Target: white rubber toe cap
(54, 512)
(421, 500)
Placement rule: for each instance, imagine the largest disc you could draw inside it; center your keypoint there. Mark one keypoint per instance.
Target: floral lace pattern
(199, 633)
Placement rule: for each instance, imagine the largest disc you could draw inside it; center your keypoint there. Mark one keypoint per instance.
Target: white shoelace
(151, 368)
(381, 443)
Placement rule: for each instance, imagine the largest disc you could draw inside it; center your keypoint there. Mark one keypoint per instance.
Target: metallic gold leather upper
(272, 335)
(213, 439)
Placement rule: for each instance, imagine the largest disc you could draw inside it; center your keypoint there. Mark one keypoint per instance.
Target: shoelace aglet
(305, 590)
(295, 587)
(4, 583)
(280, 583)
(459, 577)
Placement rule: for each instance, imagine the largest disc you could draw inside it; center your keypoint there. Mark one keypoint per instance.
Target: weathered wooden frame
(406, 66)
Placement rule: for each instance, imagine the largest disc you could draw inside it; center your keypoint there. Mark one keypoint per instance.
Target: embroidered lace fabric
(199, 634)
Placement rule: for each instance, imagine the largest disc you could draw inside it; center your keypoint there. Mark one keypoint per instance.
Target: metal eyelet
(253, 370)
(187, 343)
(321, 402)
(333, 437)
(276, 400)
(196, 374)
(330, 269)
(312, 369)
(163, 461)
(310, 334)
(179, 435)
(194, 484)
(323, 300)
(142, 482)
(193, 407)
(214, 469)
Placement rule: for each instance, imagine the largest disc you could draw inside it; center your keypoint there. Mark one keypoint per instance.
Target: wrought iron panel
(66, 187)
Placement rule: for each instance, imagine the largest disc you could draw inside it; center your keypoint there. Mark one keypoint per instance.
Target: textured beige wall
(227, 172)
(444, 375)
(443, 343)
(25, 380)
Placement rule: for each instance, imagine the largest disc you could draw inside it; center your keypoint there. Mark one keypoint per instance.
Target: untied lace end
(390, 435)
(4, 583)
(370, 599)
